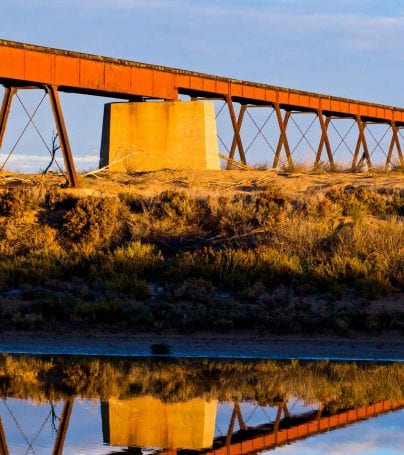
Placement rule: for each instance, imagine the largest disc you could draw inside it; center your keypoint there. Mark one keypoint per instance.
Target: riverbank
(385, 348)
(190, 252)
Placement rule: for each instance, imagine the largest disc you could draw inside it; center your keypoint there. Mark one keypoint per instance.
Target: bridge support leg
(236, 129)
(62, 133)
(235, 414)
(240, 416)
(394, 140)
(243, 109)
(9, 92)
(277, 421)
(63, 426)
(361, 141)
(283, 140)
(231, 426)
(324, 141)
(3, 441)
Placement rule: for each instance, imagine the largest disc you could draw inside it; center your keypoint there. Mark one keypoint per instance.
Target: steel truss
(54, 70)
(60, 434)
(361, 155)
(53, 95)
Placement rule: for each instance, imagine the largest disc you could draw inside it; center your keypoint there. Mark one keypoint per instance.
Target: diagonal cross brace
(324, 140)
(361, 141)
(260, 131)
(243, 109)
(283, 140)
(303, 134)
(31, 120)
(236, 129)
(342, 138)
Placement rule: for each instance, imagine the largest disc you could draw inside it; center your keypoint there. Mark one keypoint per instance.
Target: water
(89, 405)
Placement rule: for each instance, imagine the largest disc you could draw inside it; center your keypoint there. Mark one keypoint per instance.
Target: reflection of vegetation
(337, 385)
(247, 259)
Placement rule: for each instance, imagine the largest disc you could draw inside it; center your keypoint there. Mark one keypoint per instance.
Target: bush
(356, 201)
(14, 203)
(96, 221)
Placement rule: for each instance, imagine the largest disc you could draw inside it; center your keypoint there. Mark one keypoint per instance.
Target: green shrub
(136, 257)
(127, 284)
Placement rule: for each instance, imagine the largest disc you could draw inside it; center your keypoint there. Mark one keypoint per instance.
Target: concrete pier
(149, 136)
(148, 422)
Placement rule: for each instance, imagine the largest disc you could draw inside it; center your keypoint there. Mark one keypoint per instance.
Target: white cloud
(35, 163)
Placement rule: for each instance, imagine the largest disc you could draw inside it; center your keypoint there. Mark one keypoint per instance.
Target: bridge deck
(69, 71)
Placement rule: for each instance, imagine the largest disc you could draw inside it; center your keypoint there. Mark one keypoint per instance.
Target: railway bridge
(126, 421)
(27, 66)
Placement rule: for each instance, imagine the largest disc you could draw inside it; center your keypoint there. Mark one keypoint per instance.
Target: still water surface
(79, 405)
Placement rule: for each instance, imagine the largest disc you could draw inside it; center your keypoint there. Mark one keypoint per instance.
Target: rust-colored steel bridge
(286, 428)
(53, 70)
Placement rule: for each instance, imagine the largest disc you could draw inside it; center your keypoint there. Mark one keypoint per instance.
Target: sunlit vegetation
(335, 384)
(254, 256)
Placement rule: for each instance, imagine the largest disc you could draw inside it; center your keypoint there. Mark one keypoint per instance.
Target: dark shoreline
(384, 348)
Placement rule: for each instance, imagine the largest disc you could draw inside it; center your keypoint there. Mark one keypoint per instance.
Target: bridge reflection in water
(180, 427)
(148, 422)
(70, 405)
(170, 428)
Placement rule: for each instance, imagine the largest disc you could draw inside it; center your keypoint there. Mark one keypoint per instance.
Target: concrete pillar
(150, 136)
(148, 422)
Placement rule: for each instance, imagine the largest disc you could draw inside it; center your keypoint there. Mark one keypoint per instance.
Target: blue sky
(351, 48)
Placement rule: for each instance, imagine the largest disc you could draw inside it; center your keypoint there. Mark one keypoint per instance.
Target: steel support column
(9, 92)
(277, 421)
(324, 141)
(361, 141)
(236, 129)
(283, 140)
(3, 441)
(235, 414)
(62, 133)
(63, 426)
(231, 426)
(243, 109)
(239, 416)
(394, 140)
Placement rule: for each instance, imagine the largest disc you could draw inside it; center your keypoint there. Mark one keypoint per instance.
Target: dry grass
(337, 385)
(265, 240)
